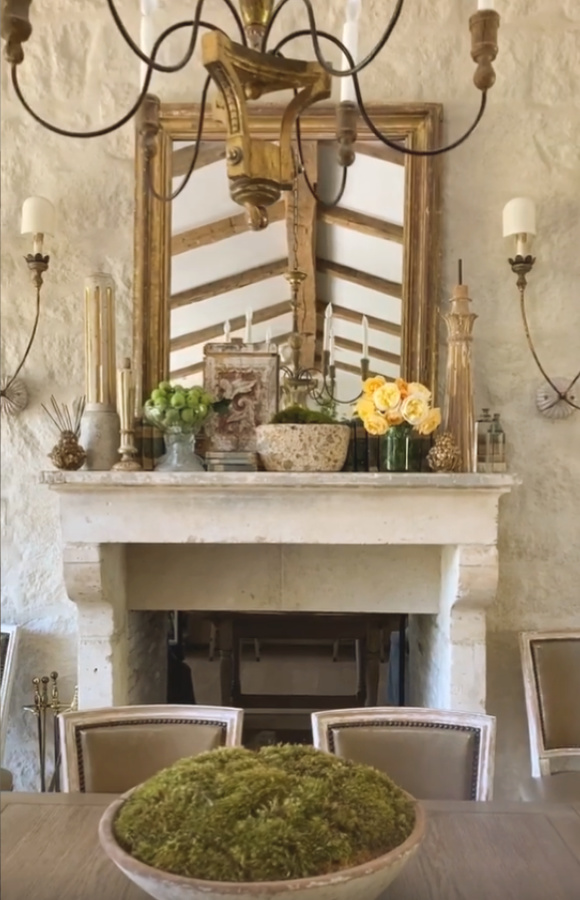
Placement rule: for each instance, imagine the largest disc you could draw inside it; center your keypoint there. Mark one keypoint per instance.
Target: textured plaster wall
(78, 72)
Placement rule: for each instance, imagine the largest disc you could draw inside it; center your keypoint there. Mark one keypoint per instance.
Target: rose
(364, 408)
(403, 387)
(415, 409)
(387, 397)
(372, 384)
(431, 422)
(394, 418)
(376, 424)
(415, 387)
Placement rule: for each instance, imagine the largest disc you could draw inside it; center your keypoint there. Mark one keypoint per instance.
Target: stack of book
(231, 461)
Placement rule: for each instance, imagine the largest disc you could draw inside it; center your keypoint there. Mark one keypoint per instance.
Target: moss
(300, 415)
(279, 813)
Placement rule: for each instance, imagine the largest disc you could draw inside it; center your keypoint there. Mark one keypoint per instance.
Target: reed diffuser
(68, 453)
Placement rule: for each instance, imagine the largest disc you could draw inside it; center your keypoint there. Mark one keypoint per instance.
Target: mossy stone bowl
(274, 810)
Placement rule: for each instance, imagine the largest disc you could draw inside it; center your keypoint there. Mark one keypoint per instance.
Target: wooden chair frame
(540, 757)
(483, 727)
(8, 669)
(71, 723)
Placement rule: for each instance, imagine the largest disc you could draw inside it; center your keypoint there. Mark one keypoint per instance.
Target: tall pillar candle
(101, 428)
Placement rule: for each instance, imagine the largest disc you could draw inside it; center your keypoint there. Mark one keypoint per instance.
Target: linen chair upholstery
(113, 750)
(551, 674)
(432, 754)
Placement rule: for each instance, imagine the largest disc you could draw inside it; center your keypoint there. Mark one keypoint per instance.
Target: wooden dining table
(471, 851)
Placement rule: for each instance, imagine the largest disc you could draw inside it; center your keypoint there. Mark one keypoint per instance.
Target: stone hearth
(141, 543)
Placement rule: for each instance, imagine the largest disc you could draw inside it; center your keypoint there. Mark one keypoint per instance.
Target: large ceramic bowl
(302, 448)
(364, 882)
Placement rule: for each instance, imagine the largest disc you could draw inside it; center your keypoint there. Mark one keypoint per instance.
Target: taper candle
(350, 41)
(327, 327)
(249, 317)
(365, 342)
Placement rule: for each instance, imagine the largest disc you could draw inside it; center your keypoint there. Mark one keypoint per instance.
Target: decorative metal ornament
(444, 455)
(13, 396)
(553, 403)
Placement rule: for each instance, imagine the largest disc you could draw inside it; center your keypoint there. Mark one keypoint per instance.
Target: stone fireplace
(138, 544)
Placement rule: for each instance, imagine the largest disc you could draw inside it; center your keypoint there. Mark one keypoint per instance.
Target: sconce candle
(38, 219)
(327, 328)
(365, 344)
(249, 318)
(485, 4)
(519, 220)
(350, 41)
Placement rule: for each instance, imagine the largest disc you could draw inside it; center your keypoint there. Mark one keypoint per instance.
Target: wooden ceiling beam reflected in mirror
(374, 254)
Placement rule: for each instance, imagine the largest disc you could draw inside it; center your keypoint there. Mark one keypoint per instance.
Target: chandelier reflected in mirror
(247, 67)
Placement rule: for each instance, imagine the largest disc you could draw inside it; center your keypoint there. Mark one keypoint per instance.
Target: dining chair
(551, 673)
(433, 754)
(112, 750)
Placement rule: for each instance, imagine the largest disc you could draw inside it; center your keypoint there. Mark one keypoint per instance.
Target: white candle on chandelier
(327, 328)
(350, 41)
(227, 331)
(485, 4)
(365, 344)
(332, 347)
(38, 218)
(249, 318)
(147, 33)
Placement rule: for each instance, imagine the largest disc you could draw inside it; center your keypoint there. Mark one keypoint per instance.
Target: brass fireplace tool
(46, 706)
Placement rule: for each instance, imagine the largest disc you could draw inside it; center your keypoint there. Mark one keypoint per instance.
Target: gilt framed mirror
(199, 266)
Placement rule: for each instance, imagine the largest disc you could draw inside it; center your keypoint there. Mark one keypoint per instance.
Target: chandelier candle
(458, 415)
(100, 434)
(350, 41)
(249, 319)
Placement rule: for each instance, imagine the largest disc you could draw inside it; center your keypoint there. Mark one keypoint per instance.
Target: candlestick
(365, 341)
(458, 418)
(249, 317)
(327, 327)
(350, 41)
(227, 332)
(126, 410)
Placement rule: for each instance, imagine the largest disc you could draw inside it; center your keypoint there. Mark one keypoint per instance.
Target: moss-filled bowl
(233, 823)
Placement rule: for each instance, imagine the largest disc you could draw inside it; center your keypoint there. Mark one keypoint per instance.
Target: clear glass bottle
(480, 442)
(495, 446)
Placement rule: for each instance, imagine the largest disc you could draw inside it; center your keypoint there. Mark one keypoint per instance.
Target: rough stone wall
(78, 73)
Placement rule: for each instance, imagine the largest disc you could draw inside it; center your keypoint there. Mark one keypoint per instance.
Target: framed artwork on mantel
(247, 375)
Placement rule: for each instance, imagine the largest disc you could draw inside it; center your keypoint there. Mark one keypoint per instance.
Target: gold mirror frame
(418, 124)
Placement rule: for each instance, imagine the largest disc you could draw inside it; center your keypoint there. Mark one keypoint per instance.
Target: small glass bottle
(480, 443)
(495, 446)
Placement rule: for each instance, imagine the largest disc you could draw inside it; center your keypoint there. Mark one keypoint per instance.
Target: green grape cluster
(173, 407)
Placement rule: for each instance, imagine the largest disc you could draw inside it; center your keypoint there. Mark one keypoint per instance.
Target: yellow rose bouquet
(397, 409)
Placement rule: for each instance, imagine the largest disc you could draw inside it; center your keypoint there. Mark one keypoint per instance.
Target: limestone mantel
(138, 543)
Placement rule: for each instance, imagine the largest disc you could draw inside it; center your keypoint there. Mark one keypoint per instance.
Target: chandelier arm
(560, 395)
(159, 67)
(13, 378)
(406, 151)
(191, 167)
(314, 32)
(325, 204)
(134, 109)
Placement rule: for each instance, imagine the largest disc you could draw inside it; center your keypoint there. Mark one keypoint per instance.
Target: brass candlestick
(458, 415)
(45, 702)
(126, 407)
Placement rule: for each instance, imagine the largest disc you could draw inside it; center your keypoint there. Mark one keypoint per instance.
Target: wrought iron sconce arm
(562, 402)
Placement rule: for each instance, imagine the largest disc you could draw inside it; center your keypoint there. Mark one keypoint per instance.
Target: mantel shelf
(272, 481)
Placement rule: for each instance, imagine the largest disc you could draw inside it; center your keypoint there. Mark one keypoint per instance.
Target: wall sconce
(38, 218)
(558, 397)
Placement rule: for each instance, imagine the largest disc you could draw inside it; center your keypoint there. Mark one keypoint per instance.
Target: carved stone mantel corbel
(139, 544)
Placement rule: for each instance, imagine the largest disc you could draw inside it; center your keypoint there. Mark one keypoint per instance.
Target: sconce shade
(519, 217)
(38, 216)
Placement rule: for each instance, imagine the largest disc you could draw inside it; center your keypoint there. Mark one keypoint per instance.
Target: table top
(472, 851)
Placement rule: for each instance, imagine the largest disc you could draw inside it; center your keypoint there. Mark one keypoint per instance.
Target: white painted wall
(78, 73)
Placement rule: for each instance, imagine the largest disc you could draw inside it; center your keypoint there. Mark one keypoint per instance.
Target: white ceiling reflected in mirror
(220, 270)
(372, 254)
